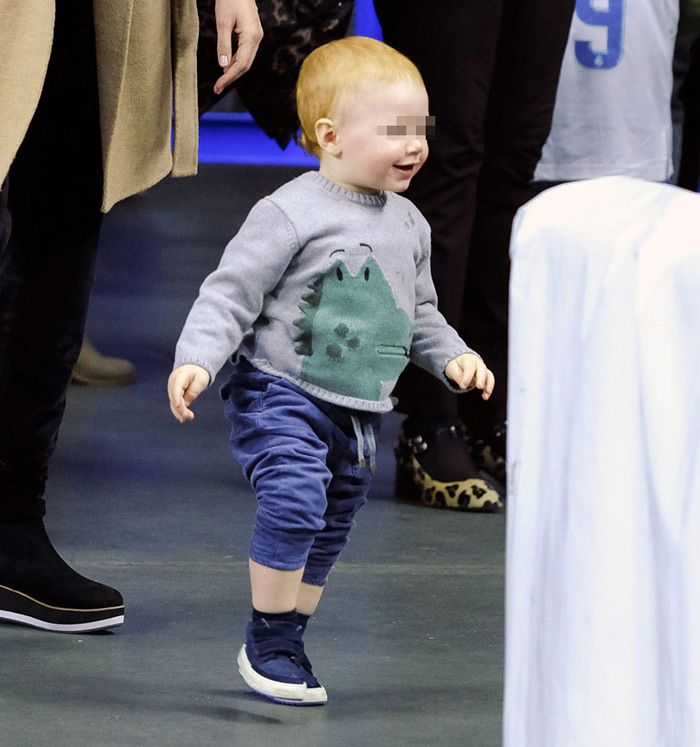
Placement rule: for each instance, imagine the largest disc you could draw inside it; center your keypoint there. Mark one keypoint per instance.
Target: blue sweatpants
(300, 455)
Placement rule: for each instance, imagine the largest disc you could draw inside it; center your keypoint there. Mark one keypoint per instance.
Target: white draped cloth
(603, 524)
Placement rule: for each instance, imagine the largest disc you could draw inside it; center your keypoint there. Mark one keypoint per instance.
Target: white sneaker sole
(281, 692)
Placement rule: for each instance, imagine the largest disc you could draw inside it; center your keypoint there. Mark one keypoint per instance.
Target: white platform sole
(85, 627)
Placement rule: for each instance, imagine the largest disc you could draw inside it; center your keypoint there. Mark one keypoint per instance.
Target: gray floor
(409, 637)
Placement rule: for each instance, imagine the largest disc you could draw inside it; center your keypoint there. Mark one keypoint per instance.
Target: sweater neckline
(378, 200)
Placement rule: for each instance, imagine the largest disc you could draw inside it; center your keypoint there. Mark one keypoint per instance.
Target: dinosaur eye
(366, 273)
(339, 273)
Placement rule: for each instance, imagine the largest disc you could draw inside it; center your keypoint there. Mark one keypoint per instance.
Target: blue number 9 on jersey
(611, 19)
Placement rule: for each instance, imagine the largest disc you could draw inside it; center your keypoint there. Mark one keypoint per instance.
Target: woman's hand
(239, 17)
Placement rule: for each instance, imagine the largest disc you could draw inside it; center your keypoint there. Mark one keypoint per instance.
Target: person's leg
(346, 495)
(521, 103)
(454, 48)
(281, 591)
(279, 437)
(53, 196)
(5, 221)
(689, 165)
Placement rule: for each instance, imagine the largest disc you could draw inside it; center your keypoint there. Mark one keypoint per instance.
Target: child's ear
(327, 136)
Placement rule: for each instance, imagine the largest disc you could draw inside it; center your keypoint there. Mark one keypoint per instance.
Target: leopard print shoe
(436, 468)
(489, 453)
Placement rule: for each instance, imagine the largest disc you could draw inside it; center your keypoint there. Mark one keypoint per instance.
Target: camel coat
(146, 65)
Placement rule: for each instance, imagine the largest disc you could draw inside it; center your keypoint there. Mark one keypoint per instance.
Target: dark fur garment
(292, 31)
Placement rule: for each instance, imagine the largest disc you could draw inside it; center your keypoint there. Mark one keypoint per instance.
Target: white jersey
(612, 114)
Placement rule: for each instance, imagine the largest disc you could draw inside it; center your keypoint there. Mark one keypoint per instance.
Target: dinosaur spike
(308, 306)
(306, 310)
(303, 348)
(303, 343)
(314, 297)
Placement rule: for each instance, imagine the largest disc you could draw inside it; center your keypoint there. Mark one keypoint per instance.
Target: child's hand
(185, 384)
(469, 370)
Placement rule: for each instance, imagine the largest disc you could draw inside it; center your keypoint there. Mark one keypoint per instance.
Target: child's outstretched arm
(469, 370)
(185, 384)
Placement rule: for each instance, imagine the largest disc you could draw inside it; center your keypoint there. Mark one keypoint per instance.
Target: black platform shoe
(434, 465)
(38, 588)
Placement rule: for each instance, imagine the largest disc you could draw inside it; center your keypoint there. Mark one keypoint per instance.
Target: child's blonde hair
(341, 67)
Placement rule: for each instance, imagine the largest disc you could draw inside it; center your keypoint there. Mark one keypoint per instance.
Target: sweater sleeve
(435, 343)
(231, 298)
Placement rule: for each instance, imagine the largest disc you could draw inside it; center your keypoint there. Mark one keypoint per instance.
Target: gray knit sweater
(328, 288)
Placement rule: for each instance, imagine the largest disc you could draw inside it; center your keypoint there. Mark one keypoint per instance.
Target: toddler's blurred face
(383, 137)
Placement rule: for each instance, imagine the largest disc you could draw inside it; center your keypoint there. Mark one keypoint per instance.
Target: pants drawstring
(365, 433)
(357, 427)
(371, 447)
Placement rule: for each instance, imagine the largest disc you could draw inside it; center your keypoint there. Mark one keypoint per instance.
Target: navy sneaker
(273, 663)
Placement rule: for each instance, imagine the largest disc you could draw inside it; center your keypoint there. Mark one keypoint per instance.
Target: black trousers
(689, 166)
(49, 225)
(491, 68)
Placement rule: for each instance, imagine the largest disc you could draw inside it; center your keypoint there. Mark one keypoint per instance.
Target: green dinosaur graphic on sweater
(352, 334)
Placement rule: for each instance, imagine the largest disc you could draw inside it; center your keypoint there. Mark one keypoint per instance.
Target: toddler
(322, 297)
